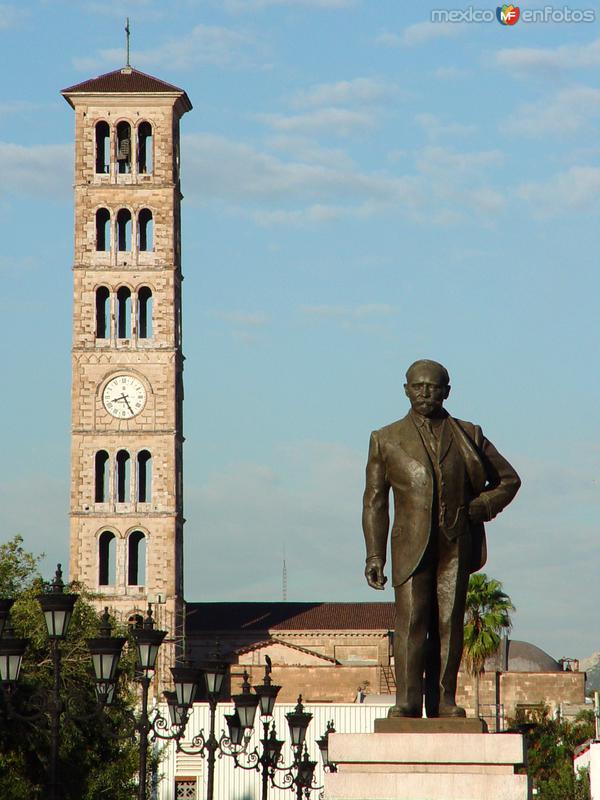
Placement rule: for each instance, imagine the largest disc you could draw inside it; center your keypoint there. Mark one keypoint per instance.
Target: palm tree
(487, 614)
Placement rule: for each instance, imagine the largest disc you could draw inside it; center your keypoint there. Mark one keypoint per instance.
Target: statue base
(433, 725)
(441, 766)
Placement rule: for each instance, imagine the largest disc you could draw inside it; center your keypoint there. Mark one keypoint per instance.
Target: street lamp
(105, 651)
(12, 651)
(148, 641)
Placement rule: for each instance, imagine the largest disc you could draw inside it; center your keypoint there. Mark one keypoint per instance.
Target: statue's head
(427, 386)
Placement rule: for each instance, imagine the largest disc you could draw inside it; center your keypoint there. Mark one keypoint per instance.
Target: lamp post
(148, 641)
(299, 775)
(57, 607)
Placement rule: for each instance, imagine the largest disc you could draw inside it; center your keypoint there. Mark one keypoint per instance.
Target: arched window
(101, 477)
(136, 559)
(124, 147)
(135, 621)
(124, 230)
(124, 313)
(123, 477)
(145, 311)
(145, 230)
(103, 230)
(145, 141)
(144, 476)
(107, 559)
(102, 148)
(102, 313)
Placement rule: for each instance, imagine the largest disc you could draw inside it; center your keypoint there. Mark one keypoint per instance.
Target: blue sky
(363, 187)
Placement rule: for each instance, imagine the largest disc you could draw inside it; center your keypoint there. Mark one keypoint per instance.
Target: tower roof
(126, 81)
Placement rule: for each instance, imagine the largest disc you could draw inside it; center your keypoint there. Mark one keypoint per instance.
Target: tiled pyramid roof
(124, 81)
(288, 616)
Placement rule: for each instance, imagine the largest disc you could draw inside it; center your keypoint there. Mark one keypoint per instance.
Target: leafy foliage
(96, 758)
(551, 745)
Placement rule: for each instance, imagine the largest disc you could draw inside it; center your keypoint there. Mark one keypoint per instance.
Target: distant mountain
(591, 666)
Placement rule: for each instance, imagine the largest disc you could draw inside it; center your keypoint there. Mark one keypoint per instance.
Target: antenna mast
(284, 578)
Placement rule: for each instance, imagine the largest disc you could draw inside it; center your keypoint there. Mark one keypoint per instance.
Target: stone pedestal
(435, 766)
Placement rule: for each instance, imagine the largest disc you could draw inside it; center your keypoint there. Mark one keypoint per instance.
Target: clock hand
(127, 403)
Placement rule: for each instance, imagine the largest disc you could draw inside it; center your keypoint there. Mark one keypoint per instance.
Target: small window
(145, 147)
(124, 230)
(186, 789)
(103, 230)
(144, 476)
(145, 230)
(124, 147)
(123, 477)
(102, 313)
(101, 477)
(145, 312)
(136, 559)
(107, 559)
(124, 313)
(102, 148)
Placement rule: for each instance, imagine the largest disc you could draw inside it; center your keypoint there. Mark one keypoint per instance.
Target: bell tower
(126, 540)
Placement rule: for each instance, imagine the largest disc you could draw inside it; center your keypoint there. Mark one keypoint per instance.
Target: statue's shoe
(448, 710)
(404, 710)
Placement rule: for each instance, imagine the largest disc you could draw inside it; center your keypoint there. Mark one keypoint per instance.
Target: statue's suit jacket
(398, 460)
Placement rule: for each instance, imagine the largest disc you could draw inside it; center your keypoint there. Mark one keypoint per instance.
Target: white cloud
(420, 33)
(204, 44)
(576, 189)
(331, 121)
(358, 91)
(449, 73)
(307, 150)
(37, 169)
(235, 171)
(444, 186)
(569, 111)
(10, 16)
(434, 128)
(548, 60)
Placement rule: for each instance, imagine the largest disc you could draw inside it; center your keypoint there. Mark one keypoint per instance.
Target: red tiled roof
(288, 616)
(124, 81)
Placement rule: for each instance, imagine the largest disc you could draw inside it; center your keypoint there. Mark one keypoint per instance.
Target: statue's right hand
(374, 573)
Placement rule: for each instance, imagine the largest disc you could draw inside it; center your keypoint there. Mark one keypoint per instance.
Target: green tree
(487, 614)
(95, 760)
(551, 745)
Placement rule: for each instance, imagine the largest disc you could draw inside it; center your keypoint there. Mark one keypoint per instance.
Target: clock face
(124, 397)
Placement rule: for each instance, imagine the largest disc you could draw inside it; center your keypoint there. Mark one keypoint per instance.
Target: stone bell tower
(127, 392)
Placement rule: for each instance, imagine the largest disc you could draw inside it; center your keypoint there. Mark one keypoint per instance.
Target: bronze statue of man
(447, 480)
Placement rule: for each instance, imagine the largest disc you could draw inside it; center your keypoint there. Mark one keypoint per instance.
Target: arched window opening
(124, 313)
(145, 312)
(124, 147)
(136, 559)
(145, 230)
(102, 313)
(102, 148)
(123, 477)
(102, 230)
(135, 621)
(101, 477)
(107, 559)
(144, 476)
(145, 142)
(124, 229)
